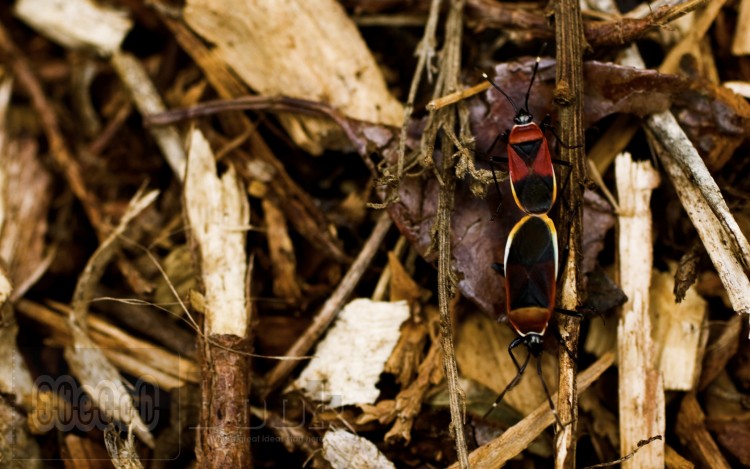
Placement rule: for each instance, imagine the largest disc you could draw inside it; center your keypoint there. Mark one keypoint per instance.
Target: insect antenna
(533, 76)
(515, 108)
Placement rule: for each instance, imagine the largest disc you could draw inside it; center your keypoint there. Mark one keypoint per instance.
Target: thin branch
(457, 96)
(569, 97)
(445, 119)
(449, 73)
(425, 52)
(617, 32)
(518, 437)
(331, 307)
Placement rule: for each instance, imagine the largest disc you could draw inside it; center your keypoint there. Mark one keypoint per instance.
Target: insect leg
(547, 125)
(546, 391)
(515, 380)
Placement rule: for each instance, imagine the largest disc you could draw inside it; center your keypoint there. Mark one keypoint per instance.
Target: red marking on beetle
(530, 163)
(532, 175)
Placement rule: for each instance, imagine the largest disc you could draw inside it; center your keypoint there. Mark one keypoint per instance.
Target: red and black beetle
(530, 268)
(530, 164)
(531, 252)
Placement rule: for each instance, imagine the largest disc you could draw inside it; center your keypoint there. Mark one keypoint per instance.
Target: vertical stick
(445, 119)
(446, 278)
(567, 95)
(214, 206)
(641, 393)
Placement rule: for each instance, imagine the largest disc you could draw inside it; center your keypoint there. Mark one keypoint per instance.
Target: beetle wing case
(531, 265)
(531, 172)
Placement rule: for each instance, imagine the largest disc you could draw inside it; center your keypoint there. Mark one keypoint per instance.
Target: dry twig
(616, 32)
(445, 120)
(217, 210)
(331, 307)
(58, 146)
(692, 432)
(517, 438)
(568, 96)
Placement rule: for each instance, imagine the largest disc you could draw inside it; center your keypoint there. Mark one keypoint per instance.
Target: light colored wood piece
(344, 450)
(98, 377)
(143, 92)
(218, 211)
(641, 394)
(77, 24)
(348, 362)
(679, 332)
(303, 49)
(742, 88)
(741, 43)
(717, 241)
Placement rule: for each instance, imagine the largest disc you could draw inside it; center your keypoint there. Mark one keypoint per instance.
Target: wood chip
(77, 24)
(147, 100)
(18, 449)
(680, 332)
(349, 361)
(692, 432)
(741, 44)
(327, 61)
(344, 450)
(281, 251)
(641, 393)
(721, 350)
(218, 213)
(673, 460)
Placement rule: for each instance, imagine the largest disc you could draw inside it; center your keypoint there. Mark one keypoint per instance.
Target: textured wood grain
(303, 49)
(641, 393)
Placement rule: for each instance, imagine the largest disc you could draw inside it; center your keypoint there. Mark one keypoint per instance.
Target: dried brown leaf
(715, 118)
(403, 287)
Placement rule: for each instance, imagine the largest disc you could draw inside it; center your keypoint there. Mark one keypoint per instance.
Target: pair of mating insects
(531, 259)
